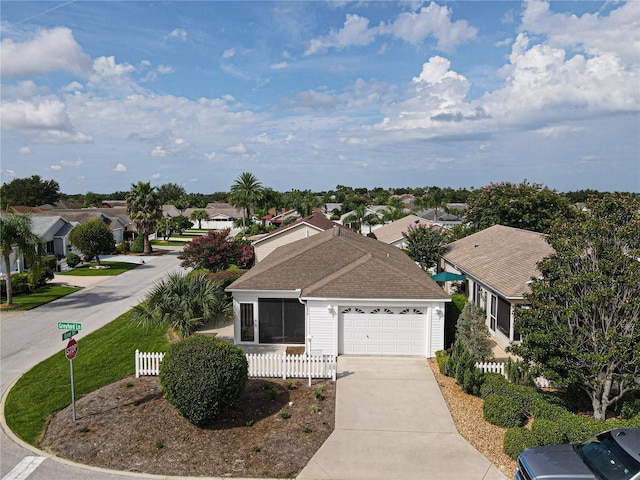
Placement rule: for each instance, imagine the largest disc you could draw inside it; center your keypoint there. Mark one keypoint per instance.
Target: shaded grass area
(103, 357)
(42, 295)
(171, 243)
(115, 268)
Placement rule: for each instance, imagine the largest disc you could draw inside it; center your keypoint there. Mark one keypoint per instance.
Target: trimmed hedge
(516, 439)
(203, 376)
(547, 432)
(503, 411)
(137, 246)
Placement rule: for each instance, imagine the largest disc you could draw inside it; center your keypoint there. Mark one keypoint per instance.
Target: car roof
(629, 440)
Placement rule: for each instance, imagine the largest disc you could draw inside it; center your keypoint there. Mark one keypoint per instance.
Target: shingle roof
(42, 226)
(394, 231)
(503, 258)
(317, 220)
(339, 263)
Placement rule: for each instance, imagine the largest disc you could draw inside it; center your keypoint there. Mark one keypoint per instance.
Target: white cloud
(55, 167)
(558, 131)
(7, 172)
(23, 90)
(25, 150)
(164, 69)
(312, 99)
(71, 87)
(159, 152)
(52, 50)
(71, 163)
(60, 137)
(44, 114)
(279, 66)
(431, 21)
(231, 52)
(192, 180)
(210, 156)
(355, 31)
(105, 67)
(237, 149)
(120, 168)
(155, 176)
(177, 34)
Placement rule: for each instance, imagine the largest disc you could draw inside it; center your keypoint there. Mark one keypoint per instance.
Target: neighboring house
(393, 233)
(221, 215)
(440, 216)
(348, 293)
(301, 228)
(83, 215)
(54, 232)
(499, 263)
(377, 210)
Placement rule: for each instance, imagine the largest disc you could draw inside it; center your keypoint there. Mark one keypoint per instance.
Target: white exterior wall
(322, 324)
(267, 246)
(435, 329)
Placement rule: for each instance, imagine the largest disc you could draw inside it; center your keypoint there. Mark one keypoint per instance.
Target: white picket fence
(498, 367)
(148, 363)
(493, 367)
(260, 365)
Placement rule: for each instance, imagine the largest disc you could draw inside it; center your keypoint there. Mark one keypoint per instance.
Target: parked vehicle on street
(610, 455)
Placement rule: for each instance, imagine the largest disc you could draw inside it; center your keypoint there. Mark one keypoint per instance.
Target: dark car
(610, 455)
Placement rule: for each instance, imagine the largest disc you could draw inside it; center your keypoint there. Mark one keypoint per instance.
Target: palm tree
(246, 192)
(16, 237)
(434, 198)
(184, 302)
(144, 209)
(360, 217)
(199, 216)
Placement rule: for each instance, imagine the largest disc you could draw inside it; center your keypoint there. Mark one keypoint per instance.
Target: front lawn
(42, 295)
(170, 243)
(115, 268)
(103, 357)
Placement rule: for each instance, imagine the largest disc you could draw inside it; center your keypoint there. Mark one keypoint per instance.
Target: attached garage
(381, 331)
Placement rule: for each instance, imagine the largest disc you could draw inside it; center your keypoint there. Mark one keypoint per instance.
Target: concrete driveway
(392, 422)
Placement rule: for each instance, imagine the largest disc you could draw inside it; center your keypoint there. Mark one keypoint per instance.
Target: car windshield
(607, 459)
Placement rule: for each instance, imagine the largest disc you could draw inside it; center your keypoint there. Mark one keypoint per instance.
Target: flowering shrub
(216, 251)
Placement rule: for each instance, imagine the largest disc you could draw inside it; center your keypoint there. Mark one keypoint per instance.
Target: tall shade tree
(530, 206)
(199, 216)
(246, 193)
(184, 302)
(582, 324)
(16, 237)
(170, 192)
(145, 209)
(92, 238)
(425, 244)
(31, 192)
(303, 202)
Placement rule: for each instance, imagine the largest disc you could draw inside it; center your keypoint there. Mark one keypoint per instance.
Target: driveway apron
(393, 423)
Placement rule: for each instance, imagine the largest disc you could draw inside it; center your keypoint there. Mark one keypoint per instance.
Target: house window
(477, 293)
(246, 322)
(281, 320)
(50, 248)
(494, 313)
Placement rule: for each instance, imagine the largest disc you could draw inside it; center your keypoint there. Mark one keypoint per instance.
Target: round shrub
(502, 411)
(493, 383)
(202, 377)
(73, 260)
(137, 246)
(123, 247)
(516, 439)
(630, 407)
(547, 432)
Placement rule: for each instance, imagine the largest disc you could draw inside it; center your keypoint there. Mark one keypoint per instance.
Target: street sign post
(68, 334)
(69, 326)
(70, 352)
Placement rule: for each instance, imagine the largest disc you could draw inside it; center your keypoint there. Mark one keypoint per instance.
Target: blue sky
(310, 95)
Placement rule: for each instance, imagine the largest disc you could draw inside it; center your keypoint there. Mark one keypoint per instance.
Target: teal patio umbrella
(447, 277)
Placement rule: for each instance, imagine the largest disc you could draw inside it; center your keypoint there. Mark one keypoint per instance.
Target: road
(30, 337)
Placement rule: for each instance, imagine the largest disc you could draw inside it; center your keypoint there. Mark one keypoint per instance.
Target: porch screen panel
(293, 321)
(281, 320)
(504, 316)
(270, 320)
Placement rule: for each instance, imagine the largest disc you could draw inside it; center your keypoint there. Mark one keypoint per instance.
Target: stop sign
(72, 349)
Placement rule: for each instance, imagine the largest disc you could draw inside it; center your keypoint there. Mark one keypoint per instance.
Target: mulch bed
(129, 426)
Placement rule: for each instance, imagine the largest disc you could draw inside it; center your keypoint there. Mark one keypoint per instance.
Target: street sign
(68, 334)
(72, 349)
(69, 326)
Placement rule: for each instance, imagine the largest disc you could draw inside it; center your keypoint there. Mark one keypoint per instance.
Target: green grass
(171, 243)
(103, 357)
(115, 268)
(42, 295)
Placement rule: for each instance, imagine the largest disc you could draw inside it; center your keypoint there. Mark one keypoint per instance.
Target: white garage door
(382, 331)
